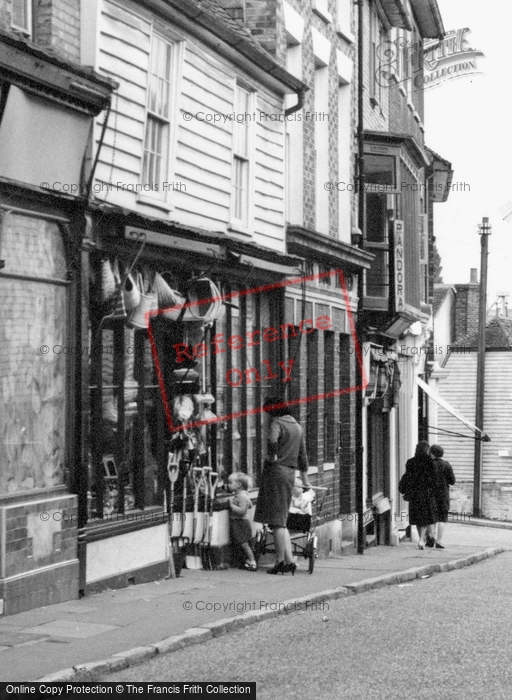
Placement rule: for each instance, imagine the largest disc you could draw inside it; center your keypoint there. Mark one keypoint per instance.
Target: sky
(467, 122)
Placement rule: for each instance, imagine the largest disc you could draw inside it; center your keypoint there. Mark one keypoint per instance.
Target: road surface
(448, 636)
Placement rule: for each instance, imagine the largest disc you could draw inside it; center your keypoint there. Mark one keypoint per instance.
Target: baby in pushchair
(299, 515)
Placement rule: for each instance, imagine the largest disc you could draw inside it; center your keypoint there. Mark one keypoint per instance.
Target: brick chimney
(235, 8)
(466, 306)
(264, 19)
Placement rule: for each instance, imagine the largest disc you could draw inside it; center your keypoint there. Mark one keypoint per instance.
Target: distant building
(452, 388)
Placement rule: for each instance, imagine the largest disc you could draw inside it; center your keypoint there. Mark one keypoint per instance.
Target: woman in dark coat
(445, 479)
(286, 452)
(418, 483)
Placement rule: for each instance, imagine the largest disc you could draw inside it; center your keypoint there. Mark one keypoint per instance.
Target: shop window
(242, 158)
(34, 355)
(130, 442)
(408, 210)
(246, 373)
(21, 16)
(380, 170)
(328, 402)
(376, 241)
(313, 389)
(155, 166)
(325, 275)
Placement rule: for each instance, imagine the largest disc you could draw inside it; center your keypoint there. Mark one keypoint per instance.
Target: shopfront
(184, 340)
(46, 111)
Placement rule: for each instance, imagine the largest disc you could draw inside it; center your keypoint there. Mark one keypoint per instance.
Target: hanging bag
(118, 306)
(107, 281)
(140, 315)
(131, 293)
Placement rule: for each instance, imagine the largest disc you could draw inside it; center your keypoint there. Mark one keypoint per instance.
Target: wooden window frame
(166, 119)
(243, 162)
(25, 7)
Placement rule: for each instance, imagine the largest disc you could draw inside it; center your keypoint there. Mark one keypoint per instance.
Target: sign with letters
(398, 241)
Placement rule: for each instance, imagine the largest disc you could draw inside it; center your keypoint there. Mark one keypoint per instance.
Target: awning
(478, 434)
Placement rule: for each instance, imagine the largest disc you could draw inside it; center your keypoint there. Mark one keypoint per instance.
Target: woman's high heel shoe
(277, 568)
(290, 567)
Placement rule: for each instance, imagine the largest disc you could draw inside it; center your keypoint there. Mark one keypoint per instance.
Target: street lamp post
(485, 232)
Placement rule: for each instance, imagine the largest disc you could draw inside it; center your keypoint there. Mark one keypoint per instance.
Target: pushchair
(302, 527)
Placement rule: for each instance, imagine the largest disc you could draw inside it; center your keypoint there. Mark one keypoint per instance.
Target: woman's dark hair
(422, 449)
(275, 407)
(436, 451)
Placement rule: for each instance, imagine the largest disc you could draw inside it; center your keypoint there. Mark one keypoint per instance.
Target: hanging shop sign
(398, 239)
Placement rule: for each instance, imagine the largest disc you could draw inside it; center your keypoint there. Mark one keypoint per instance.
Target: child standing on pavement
(239, 526)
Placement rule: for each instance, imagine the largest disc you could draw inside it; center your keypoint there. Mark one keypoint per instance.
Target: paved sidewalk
(40, 642)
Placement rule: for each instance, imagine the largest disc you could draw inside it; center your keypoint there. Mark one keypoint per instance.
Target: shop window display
(132, 451)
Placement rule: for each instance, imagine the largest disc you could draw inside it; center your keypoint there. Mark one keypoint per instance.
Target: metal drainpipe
(299, 105)
(360, 288)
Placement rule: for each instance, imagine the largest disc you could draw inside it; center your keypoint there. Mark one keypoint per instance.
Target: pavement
(88, 638)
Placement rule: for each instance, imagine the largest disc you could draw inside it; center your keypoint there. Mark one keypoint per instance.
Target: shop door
(378, 458)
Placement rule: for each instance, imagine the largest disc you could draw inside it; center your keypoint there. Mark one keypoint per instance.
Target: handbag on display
(107, 281)
(139, 317)
(118, 307)
(131, 293)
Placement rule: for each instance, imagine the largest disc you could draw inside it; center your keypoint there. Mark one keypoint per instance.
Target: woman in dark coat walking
(445, 479)
(418, 483)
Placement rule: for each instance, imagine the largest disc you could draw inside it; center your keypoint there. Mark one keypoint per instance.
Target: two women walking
(426, 485)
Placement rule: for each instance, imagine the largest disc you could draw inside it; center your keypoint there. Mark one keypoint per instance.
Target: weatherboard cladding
(203, 149)
(459, 389)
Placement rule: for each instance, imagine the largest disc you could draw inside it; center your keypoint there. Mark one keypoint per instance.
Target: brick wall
(40, 538)
(496, 500)
(57, 25)
(265, 18)
(261, 19)
(401, 119)
(466, 309)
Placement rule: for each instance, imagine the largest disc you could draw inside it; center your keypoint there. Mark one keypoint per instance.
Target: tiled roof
(440, 293)
(211, 16)
(498, 334)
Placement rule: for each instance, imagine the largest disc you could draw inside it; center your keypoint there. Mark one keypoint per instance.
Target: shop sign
(368, 517)
(399, 266)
